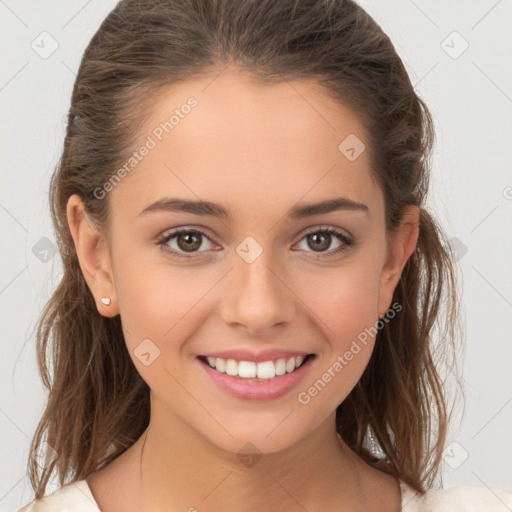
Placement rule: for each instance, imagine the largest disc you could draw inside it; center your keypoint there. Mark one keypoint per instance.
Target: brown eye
(319, 241)
(190, 241)
(182, 241)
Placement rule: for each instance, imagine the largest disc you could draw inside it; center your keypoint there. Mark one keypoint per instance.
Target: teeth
(247, 369)
(280, 366)
(264, 370)
(220, 364)
(231, 367)
(267, 369)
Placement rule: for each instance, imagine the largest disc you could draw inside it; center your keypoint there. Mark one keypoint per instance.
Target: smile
(264, 370)
(251, 380)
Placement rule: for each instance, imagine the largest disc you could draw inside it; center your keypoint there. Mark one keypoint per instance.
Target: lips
(249, 369)
(256, 357)
(255, 388)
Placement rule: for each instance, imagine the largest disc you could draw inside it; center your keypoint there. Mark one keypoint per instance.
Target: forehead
(230, 139)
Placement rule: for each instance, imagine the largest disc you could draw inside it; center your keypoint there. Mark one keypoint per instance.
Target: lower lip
(254, 389)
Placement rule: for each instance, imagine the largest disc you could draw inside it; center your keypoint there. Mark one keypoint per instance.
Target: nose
(257, 296)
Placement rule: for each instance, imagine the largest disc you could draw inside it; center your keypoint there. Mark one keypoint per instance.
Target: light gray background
(470, 96)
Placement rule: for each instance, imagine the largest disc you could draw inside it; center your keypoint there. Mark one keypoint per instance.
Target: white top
(77, 497)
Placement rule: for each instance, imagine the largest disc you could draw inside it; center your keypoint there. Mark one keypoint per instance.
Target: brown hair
(98, 404)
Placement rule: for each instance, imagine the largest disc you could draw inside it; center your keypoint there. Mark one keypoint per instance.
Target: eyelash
(348, 243)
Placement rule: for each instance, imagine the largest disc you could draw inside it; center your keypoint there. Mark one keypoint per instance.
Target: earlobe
(93, 256)
(401, 244)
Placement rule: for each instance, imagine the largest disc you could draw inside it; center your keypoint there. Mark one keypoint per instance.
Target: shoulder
(456, 499)
(73, 497)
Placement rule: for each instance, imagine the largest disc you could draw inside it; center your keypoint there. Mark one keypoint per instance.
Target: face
(253, 269)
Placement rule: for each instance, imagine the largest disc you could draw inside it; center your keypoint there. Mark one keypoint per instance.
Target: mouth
(261, 380)
(269, 370)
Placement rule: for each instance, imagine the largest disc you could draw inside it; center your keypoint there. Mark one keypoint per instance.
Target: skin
(257, 150)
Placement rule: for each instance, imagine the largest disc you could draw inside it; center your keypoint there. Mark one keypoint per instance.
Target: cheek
(344, 303)
(343, 300)
(155, 322)
(153, 293)
(153, 299)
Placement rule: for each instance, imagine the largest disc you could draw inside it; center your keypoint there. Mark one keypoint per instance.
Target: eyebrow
(299, 211)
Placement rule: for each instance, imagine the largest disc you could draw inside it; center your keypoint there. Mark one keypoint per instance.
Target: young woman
(251, 277)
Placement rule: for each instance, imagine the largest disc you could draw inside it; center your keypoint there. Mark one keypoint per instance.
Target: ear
(401, 244)
(93, 256)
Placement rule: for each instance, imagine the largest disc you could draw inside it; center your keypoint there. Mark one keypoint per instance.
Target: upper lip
(263, 355)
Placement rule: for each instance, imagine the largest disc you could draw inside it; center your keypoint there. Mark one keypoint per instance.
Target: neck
(179, 469)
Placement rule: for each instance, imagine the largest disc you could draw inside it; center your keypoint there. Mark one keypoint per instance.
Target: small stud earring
(106, 300)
